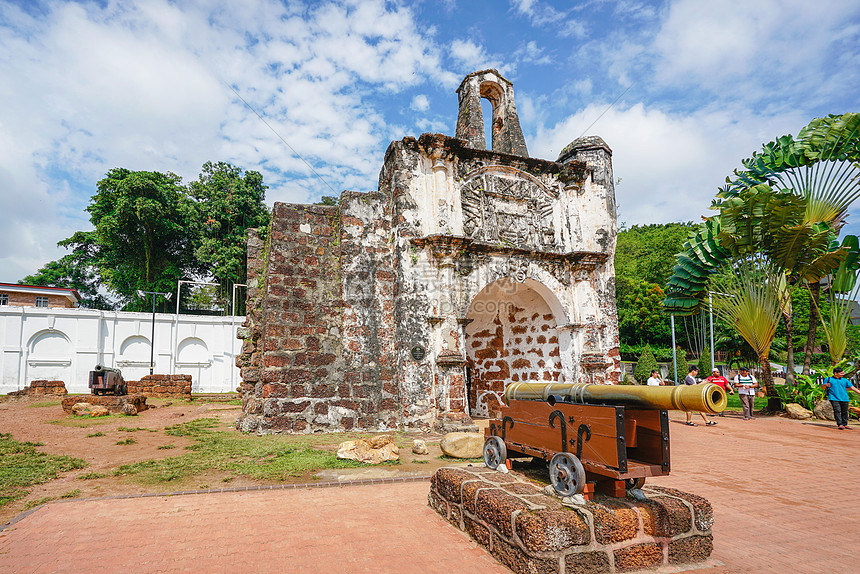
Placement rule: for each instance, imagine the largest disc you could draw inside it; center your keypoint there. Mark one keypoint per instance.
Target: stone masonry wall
(317, 353)
(176, 386)
(39, 388)
(530, 531)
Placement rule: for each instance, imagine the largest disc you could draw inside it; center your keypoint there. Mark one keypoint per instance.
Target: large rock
(129, 410)
(369, 450)
(823, 410)
(419, 446)
(463, 444)
(81, 409)
(796, 411)
(99, 411)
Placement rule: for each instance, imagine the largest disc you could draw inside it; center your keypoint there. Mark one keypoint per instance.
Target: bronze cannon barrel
(706, 397)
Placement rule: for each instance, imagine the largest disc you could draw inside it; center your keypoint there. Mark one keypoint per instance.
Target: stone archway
(512, 336)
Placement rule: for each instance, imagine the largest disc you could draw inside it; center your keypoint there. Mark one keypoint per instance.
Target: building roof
(71, 294)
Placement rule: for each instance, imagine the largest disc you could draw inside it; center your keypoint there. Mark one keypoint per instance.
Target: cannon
(614, 436)
(107, 380)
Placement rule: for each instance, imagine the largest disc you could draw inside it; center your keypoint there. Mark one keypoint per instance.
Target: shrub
(705, 363)
(683, 365)
(645, 365)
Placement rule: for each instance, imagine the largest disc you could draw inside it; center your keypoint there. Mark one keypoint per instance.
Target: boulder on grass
(463, 444)
(823, 410)
(796, 411)
(369, 450)
(99, 411)
(81, 409)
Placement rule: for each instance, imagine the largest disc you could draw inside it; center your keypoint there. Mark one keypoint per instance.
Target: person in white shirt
(654, 380)
(746, 385)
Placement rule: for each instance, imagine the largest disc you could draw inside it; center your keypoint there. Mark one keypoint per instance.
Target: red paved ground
(784, 496)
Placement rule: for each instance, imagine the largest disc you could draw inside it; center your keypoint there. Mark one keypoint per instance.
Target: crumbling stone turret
(507, 134)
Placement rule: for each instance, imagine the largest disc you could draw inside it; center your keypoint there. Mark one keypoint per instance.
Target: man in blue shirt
(838, 387)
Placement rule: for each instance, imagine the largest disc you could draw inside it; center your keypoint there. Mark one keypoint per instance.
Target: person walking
(746, 384)
(690, 379)
(654, 380)
(719, 380)
(837, 392)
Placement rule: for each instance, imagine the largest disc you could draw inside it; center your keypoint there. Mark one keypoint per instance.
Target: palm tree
(788, 204)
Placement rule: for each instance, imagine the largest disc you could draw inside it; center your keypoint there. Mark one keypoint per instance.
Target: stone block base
(42, 388)
(530, 531)
(170, 386)
(113, 403)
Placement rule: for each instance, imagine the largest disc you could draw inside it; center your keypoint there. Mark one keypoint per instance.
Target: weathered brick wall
(176, 386)
(318, 342)
(530, 531)
(513, 338)
(39, 388)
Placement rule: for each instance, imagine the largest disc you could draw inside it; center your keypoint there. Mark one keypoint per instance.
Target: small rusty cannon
(104, 380)
(613, 435)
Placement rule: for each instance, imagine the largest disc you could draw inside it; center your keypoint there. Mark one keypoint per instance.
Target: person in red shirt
(720, 380)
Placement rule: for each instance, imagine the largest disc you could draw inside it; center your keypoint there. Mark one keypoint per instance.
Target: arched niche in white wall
(134, 356)
(193, 358)
(49, 356)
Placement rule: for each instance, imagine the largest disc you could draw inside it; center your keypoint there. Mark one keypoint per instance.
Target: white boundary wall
(66, 344)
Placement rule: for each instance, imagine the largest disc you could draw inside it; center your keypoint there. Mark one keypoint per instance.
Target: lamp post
(167, 297)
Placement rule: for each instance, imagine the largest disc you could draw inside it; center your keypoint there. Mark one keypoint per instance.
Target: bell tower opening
(503, 132)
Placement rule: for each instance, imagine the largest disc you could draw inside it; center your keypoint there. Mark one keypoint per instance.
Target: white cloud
(736, 41)
(532, 54)
(671, 164)
(420, 103)
(88, 87)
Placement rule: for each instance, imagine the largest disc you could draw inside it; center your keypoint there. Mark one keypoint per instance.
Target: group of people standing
(744, 382)
(837, 392)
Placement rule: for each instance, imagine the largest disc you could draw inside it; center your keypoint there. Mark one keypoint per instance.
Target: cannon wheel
(566, 474)
(632, 483)
(495, 452)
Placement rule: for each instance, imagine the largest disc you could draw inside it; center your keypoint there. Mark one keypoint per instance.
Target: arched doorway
(512, 337)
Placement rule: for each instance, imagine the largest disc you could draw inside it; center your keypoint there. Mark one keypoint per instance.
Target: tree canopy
(150, 231)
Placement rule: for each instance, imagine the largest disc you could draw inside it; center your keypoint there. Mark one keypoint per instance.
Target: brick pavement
(778, 487)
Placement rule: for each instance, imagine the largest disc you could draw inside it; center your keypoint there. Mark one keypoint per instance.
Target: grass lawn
(734, 403)
(267, 457)
(21, 465)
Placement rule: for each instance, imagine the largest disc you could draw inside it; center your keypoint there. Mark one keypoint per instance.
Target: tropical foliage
(784, 211)
(150, 231)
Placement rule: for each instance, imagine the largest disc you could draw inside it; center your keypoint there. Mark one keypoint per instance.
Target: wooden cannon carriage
(613, 435)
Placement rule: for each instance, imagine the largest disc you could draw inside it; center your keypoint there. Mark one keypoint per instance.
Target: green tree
(227, 204)
(141, 239)
(644, 366)
(640, 314)
(70, 272)
(644, 257)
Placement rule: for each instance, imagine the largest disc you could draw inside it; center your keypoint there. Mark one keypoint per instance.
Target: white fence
(65, 344)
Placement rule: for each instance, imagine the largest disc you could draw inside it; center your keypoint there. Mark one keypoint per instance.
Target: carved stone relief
(508, 207)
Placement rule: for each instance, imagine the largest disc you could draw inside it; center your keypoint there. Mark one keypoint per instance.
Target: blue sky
(88, 86)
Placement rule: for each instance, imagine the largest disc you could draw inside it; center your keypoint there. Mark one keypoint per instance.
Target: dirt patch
(106, 443)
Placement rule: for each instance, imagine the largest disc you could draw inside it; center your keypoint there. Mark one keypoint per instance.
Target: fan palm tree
(748, 300)
(789, 204)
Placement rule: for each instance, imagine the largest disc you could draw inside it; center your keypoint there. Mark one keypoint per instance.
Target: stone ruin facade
(413, 305)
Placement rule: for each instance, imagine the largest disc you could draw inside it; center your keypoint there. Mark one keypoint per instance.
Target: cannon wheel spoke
(495, 452)
(566, 474)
